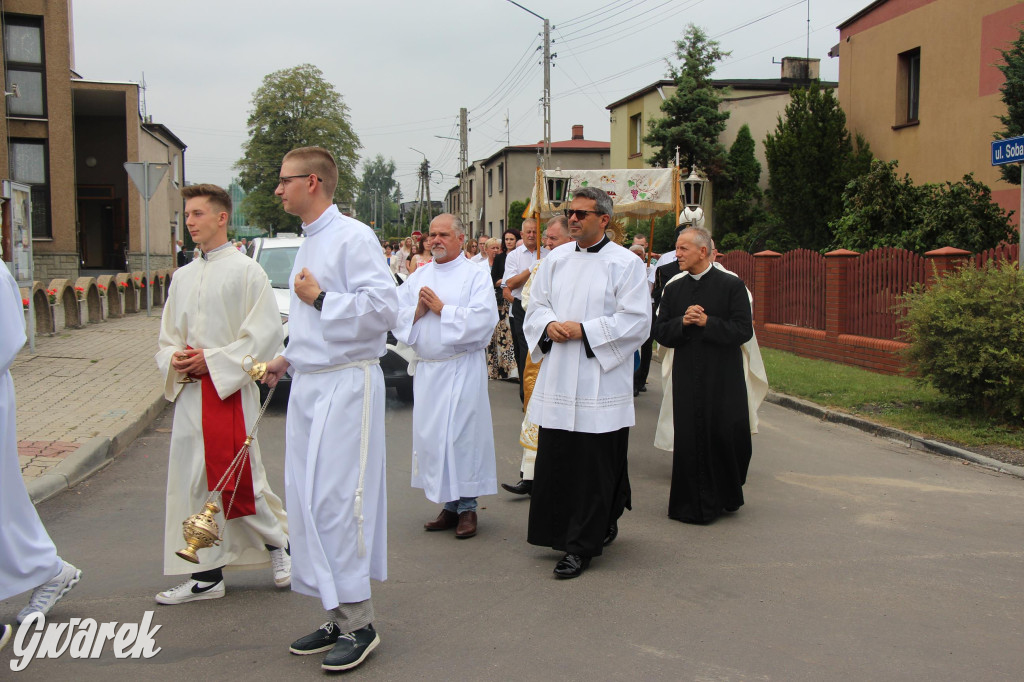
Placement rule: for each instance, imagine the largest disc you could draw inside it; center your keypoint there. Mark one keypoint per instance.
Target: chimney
(800, 69)
(577, 132)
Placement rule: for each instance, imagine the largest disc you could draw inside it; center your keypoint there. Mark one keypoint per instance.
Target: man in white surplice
(343, 304)
(28, 558)
(589, 312)
(447, 313)
(220, 309)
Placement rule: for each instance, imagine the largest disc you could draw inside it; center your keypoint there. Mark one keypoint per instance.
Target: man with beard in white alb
(447, 312)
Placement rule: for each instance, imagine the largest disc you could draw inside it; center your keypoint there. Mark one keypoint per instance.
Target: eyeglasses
(285, 178)
(580, 213)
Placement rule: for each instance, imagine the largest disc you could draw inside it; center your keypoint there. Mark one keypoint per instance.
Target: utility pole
(426, 184)
(547, 81)
(547, 93)
(464, 167)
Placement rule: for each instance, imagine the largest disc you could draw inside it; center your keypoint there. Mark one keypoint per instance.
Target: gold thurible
(200, 531)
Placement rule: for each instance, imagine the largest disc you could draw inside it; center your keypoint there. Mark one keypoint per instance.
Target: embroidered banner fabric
(635, 193)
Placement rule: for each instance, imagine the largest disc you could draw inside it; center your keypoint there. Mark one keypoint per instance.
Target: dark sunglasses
(580, 213)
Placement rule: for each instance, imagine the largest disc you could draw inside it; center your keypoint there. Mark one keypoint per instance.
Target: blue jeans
(463, 504)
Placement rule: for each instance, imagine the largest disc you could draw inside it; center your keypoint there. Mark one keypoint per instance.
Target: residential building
(508, 175)
(756, 102)
(918, 79)
(68, 138)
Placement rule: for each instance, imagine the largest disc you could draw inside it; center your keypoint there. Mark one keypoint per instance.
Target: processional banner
(635, 193)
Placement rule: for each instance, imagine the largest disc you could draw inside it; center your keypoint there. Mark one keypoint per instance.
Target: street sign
(1008, 151)
(146, 183)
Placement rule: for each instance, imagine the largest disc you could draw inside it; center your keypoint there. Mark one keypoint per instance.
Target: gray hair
(636, 248)
(599, 196)
(701, 237)
(455, 222)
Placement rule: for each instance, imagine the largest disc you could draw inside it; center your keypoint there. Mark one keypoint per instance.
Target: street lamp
(557, 185)
(691, 189)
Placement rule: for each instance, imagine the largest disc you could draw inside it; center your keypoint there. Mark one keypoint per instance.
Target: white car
(277, 256)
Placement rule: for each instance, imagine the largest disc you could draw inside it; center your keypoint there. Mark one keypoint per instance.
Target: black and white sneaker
(352, 649)
(5, 634)
(323, 639)
(191, 590)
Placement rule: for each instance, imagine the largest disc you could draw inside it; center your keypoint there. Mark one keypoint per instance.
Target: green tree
(737, 194)
(374, 201)
(882, 209)
(692, 118)
(1013, 97)
(515, 216)
(811, 157)
(293, 108)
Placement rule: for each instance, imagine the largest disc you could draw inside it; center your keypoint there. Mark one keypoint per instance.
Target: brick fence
(835, 342)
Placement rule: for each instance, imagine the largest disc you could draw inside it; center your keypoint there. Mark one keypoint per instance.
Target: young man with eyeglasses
(589, 312)
(344, 301)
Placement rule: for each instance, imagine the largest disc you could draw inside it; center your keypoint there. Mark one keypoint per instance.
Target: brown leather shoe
(467, 525)
(446, 520)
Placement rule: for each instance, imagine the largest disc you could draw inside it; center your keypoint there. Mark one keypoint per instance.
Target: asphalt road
(854, 559)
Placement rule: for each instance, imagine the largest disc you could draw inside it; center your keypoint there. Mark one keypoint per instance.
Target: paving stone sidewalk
(83, 397)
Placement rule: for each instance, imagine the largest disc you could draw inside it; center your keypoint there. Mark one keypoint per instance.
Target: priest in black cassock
(705, 317)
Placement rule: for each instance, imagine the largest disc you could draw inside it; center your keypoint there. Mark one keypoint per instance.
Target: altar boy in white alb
(220, 309)
(343, 304)
(447, 313)
(589, 311)
(28, 559)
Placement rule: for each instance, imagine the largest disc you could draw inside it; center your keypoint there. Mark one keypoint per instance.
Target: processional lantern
(557, 187)
(691, 189)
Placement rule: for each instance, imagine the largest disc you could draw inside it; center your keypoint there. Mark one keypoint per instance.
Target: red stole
(223, 436)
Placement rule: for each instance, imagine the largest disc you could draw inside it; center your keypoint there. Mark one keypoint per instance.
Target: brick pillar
(837, 296)
(942, 262)
(764, 262)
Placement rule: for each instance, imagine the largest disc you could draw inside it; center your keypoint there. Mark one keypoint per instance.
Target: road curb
(91, 456)
(912, 441)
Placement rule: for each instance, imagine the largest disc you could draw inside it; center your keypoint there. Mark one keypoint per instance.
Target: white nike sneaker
(282, 565)
(191, 590)
(49, 593)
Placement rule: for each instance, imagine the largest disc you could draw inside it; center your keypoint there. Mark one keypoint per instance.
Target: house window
(501, 177)
(28, 165)
(23, 51)
(636, 135)
(470, 191)
(908, 87)
(490, 182)
(501, 225)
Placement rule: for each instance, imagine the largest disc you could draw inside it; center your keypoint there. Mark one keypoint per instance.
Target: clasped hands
(695, 315)
(190, 361)
(428, 301)
(560, 332)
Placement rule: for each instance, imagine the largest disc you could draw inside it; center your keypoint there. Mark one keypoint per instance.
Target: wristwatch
(319, 302)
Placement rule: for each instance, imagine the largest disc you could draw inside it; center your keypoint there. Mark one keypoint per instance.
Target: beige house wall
(958, 104)
(649, 107)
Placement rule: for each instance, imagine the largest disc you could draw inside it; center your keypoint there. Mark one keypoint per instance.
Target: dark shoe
(524, 487)
(446, 520)
(571, 566)
(643, 389)
(730, 509)
(636, 392)
(323, 639)
(5, 635)
(352, 649)
(613, 532)
(467, 525)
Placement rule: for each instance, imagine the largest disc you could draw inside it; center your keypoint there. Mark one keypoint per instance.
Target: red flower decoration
(24, 302)
(101, 287)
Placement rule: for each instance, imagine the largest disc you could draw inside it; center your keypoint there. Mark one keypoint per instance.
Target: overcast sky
(405, 68)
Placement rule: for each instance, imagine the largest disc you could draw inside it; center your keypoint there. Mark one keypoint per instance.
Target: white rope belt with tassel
(364, 438)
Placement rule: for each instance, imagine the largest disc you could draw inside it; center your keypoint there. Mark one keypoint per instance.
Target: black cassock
(711, 450)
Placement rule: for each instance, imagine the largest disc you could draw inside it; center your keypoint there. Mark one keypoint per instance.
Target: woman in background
(501, 358)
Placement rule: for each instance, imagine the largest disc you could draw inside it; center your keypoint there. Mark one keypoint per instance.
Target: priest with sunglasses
(589, 312)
